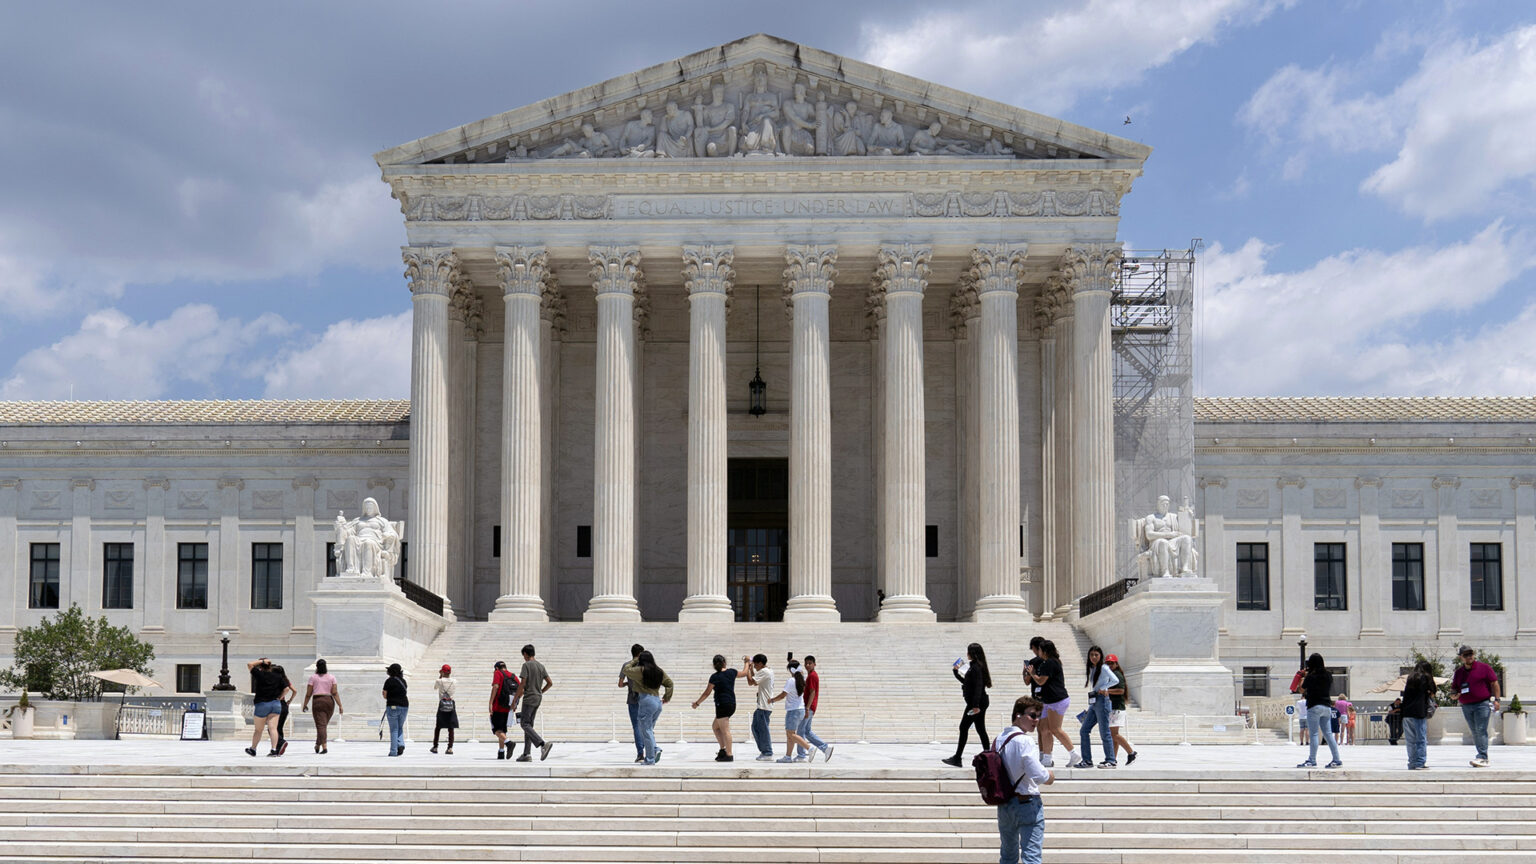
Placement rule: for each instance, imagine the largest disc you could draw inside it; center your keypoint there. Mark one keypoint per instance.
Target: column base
(812, 607)
(1372, 631)
(612, 607)
(707, 608)
(906, 607)
(518, 607)
(1001, 607)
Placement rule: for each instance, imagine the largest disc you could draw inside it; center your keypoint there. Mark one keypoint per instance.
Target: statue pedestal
(1165, 633)
(362, 625)
(226, 715)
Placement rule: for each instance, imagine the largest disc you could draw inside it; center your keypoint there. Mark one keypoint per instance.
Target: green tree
(56, 657)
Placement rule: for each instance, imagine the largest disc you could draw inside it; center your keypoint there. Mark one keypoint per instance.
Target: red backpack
(992, 774)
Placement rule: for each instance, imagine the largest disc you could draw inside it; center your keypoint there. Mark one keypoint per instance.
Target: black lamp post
(224, 669)
(757, 387)
(1301, 645)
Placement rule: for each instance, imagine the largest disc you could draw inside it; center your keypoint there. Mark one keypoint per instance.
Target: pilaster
(708, 277)
(224, 581)
(306, 554)
(12, 600)
(1449, 577)
(1296, 568)
(1214, 554)
(1524, 557)
(433, 272)
(1373, 576)
(156, 574)
(76, 579)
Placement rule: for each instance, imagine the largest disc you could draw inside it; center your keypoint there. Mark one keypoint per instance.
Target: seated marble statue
(638, 140)
(887, 138)
(674, 136)
(1169, 540)
(758, 110)
(850, 129)
(368, 545)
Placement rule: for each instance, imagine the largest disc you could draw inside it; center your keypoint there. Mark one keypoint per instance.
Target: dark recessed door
(758, 538)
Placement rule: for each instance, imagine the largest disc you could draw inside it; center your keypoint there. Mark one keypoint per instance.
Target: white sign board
(192, 725)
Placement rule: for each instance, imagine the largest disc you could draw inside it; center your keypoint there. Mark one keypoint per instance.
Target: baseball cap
(1465, 650)
(500, 664)
(1111, 659)
(446, 668)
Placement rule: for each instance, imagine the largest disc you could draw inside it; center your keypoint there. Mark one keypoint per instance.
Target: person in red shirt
(1477, 689)
(812, 691)
(501, 706)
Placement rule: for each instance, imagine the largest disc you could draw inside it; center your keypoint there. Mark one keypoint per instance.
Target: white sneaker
(1047, 761)
(1072, 760)
(768, 757)
(826, 755)
(1479, 763)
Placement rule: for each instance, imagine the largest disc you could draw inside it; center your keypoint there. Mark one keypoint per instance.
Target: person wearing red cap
(447, 710)
(1117, 710)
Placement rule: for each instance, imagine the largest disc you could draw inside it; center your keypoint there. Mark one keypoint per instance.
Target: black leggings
(979, 720)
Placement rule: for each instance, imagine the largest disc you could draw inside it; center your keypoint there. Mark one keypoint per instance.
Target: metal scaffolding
(1151, 322)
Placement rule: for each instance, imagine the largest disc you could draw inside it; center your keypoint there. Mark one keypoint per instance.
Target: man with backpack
(1010, 775)
(503, 691)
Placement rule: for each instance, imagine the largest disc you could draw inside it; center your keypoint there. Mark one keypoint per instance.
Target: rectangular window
(1487, 577)
(266, 575)
(1255, 680)
(191, 575)
(330, 559)
(931, 541)
(1253, 576)
(189, 678)
(1408, 577)
(1340, 680)
(495, 541)
(1328, 591)
(117, 576)
(583, 541)
(44, 590)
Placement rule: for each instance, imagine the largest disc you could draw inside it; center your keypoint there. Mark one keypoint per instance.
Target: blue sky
(191, 209)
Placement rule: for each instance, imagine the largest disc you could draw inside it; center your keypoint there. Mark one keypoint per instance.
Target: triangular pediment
(764, 98)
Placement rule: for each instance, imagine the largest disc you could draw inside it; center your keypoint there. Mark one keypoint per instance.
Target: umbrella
(127, 677)
(1401, 681)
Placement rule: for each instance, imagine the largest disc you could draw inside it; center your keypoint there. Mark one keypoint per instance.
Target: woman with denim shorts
(267, 686)
(1053, 692)
(793, 695)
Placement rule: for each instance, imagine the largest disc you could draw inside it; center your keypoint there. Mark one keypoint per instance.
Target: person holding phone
(973, 686)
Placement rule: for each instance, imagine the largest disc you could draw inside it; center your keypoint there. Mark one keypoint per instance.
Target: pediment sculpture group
(762, 122)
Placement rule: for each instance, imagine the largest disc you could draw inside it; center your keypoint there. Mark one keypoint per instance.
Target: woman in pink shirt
(322, 691)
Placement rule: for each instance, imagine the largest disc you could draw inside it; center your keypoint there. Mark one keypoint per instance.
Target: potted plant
(1514, 721)
(24, 715)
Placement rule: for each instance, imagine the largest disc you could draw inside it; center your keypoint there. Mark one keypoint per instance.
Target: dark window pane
(43, 591)
(117, 576)
(266, 575)
(931, 541)
(191, 575)
(189, 678)
(1408, 577)
(1253, 576)
(583, 541)
(1329, 591)
(495, 541)
(1255, 680)
(1487, 573)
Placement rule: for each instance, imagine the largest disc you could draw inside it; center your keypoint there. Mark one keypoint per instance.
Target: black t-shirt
(1318, 688)
(1033, 665)
(394, 692)
(267, 683)
(725, 686)
(1055, 687)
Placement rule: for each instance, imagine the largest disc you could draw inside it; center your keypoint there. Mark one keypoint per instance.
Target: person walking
(723, 685)
(1099, 679)
(1418, 703)
(1477, 689)
(793, 695)
(533, 683)
(655, 688)
(1316, 687)
(395, 707)
(1344, 710)
(285, 698)
(1021, 819)
(812, 695)
(1032, 666)
(447, 708)
(973, 685)
(503, 688)
(322, 692)
(1395, 721)
(632, 702)
(760, 676)
(1117, 696)
(1049, 675)
(266, 693)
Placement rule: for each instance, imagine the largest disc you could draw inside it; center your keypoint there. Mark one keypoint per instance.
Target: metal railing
(162, 719)
(421, 596)
(1104, 597)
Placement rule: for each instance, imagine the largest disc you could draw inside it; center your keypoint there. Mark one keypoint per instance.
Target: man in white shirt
(1021, 821)
(760, 676)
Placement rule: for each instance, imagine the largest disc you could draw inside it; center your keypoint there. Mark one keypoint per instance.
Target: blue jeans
(760, 732)
(1318, 725)
(1097, 715)
(648, 709)
(395, 714)
(634, 726)
(1477, 720)
(1416, 730)
(807, 734)
(1021, 825)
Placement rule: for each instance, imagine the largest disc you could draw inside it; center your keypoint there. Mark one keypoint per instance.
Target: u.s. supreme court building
(768, 334)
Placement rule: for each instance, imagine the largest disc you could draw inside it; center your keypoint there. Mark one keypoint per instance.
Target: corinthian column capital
(997, 267)
(431, 269)
(615, 269)
(903, 269)
(707, 269)
(810, 269)
(523, 270)
(1091, 267)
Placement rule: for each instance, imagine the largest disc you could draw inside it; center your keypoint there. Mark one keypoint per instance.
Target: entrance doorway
(758, 538)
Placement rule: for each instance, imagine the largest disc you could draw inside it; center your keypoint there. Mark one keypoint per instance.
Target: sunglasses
(1035, 717)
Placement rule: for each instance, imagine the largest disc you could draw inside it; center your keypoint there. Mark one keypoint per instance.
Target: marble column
(902, 274)
(1524, 571)
(1374, 576)
(433, 272)
(995, 271)
(1450, 579)
(305, 555)
(707, 276)
(809, 276)
(965, 326)
(552, 325)
(468, 308)
(615, 276)
(1297, 572)
(1045, 320)
(1066, 493)
(523, 271)
(157, 576)
(1091, 270)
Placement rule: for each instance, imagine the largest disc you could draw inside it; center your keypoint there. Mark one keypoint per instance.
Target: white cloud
(1462, 124)
(112, 356)
(1043, 62)
(1345, 325)
(353, 359)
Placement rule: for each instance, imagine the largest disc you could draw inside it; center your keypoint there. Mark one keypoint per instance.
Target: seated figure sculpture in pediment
(638, 140)
(714, 125)
(759, 108)
(801, 125)
(674, 136)
(887, 138)
(850, 129)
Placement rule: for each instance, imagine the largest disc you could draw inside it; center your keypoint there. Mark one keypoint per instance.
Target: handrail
(421, 596)
(1104, 597)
